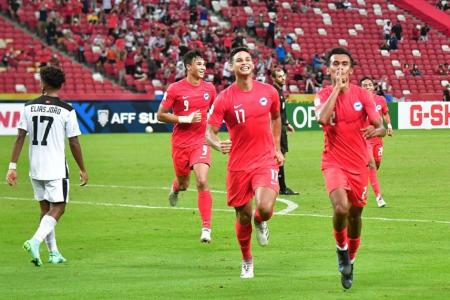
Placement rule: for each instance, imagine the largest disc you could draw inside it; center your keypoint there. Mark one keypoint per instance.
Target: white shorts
(54, 191)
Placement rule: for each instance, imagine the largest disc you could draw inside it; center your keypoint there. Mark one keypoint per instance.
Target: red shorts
(375, 149)
(185, 158)
(241, 185)
(355, 184)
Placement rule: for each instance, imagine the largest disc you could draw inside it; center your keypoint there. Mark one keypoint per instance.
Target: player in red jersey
(251, 111)
(375, 145)
(189, 100)
(342, 109)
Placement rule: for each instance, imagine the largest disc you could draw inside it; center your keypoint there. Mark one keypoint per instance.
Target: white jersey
(48, 121)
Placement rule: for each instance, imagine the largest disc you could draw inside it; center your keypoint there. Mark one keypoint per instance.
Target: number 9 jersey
(48, 121)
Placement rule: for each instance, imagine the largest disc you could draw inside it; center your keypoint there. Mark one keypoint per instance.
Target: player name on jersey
(45, 109)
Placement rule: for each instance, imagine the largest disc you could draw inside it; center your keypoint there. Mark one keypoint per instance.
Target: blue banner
(118, 116)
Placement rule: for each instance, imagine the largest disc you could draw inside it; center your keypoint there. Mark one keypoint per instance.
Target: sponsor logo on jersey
(263, 101)
(103, 117)
(358, 106)
(206, 96)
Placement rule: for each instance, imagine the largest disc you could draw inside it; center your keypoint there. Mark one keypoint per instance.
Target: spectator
(319, 78)
(317, 62)
(398, 30)
(424, 32)
(416, 32)
(54, 61)
(387, 30)
(270, 33)
(204, 17)
(415, 71)
(303, 7)
(447, 93)
(393, 42)
(384, 45)
(42, 24)
(251, 28)
(139, 75)
(441, 70)
(14, 6)
(406, 69)
(51, 32)
(280, 51)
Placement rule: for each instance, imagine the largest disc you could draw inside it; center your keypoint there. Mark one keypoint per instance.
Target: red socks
(175, 186)
(259, 218)
(204, 207)
(374, 181)
(340, 237)
(353, 245)
(244, 236)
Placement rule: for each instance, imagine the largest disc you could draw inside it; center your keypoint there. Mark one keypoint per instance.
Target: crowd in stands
(443, 5)
(130, 39)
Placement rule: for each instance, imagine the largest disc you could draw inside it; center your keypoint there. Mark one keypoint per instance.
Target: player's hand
(290, 128)
(389, 131)
(369, 131)
(83, 178)
(11, 177)
(279, 157)
(194, 117)
(341, 80)
(225, 146)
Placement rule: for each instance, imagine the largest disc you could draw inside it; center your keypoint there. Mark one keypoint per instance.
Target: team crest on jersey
(378, 107)
(103, 117)
(263, 101)
(206, 96)
(358, 106)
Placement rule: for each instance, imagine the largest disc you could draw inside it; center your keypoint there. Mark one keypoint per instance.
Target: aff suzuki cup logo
(103, 117)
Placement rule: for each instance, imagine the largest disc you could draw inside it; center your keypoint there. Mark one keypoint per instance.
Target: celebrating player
(189, 100)
(251, 111)
(342, 109)
(375, 145)
(48, 121)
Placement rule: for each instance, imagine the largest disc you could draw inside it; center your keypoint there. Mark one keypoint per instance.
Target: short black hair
(237, 50)
(339, 50)
(189, 57)
(275, 70)
(366, 78)
(53, 76)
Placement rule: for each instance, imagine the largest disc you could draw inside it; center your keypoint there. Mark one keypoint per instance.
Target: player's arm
(75, 148)
(213, 140)
(387, 119)
(164, 115)
(11, 175)
(276, 132)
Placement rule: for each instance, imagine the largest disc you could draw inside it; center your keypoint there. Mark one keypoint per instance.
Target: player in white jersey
(48, 121)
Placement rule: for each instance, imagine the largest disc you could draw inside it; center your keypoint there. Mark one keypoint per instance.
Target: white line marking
(228, 210)
(291, 206)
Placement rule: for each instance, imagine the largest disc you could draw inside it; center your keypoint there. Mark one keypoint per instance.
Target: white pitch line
(229, 210)
(291, 206)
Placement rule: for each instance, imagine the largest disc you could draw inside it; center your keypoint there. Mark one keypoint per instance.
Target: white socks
(45, 227)
(50, 240)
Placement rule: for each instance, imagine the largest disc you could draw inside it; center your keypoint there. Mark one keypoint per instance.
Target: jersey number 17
(42, 119)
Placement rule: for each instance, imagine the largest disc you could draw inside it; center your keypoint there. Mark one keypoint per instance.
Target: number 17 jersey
(48, 121)
(247, 115)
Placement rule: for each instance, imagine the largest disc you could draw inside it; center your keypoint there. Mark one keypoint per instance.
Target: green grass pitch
(122, 241)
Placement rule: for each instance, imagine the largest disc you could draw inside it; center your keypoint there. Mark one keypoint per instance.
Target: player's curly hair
(53, 76)
(339, 50)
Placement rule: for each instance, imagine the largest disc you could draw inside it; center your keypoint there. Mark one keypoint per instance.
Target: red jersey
(345, 146)
(183, 99)
(247, 117)
(382, 108)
